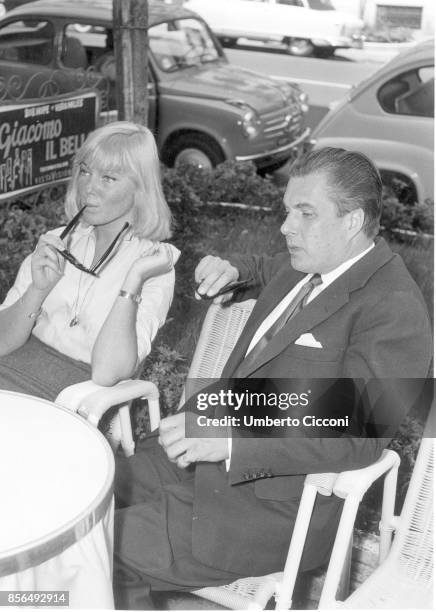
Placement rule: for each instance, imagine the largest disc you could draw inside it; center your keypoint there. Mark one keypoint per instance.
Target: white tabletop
(56, 473)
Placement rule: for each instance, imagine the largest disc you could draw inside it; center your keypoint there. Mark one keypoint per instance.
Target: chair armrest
(324, 483)
(313, 484)
(355, 483)
(92, 401)
(351, 486)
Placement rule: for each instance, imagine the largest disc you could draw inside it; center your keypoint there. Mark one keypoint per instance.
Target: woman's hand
(155, 261)
(46, 264)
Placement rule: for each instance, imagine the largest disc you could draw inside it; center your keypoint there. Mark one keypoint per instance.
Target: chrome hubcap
(195, 157)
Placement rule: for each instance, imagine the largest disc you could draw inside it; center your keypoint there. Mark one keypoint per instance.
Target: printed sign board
(38, 141)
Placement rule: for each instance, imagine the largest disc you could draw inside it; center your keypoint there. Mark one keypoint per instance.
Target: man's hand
(214, 273)
(184, 451)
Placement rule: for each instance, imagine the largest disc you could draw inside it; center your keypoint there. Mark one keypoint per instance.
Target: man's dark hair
(353, 182)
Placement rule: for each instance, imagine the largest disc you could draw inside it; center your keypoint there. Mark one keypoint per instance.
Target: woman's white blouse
(90, 299)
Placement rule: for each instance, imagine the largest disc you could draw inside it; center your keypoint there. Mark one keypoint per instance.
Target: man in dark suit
(338, 305)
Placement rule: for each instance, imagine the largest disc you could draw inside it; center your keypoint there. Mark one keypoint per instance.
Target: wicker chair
(404, 578)
(254, 593)
(220, 331)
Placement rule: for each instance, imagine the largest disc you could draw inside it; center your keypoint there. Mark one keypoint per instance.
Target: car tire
(300, 47)
(265, 170)
(228, 41)
(324, 52)
(400, 185)
(193, 148)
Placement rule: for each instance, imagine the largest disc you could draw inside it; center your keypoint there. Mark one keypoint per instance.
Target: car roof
(422, 51)
(96, 10)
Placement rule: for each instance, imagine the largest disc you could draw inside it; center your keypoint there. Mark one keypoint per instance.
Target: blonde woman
(89, 300)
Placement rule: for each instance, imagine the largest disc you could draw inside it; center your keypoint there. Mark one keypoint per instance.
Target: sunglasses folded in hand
(73, 260)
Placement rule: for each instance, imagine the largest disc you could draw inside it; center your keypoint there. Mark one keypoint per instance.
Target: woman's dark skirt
(37, 369)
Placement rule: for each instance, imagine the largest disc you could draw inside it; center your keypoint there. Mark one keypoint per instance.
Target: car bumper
(266, 157)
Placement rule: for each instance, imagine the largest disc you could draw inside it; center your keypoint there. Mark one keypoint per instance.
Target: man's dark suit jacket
(371, 322)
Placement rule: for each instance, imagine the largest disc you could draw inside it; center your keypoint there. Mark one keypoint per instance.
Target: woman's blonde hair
(127, 147)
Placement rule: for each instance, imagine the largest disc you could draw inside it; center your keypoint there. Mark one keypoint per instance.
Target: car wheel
(323, 52)
(265, 170)
(400, 185)
(300, 47)
(191, 148)
(228, 41)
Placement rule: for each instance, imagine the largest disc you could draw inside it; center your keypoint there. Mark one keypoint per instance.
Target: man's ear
(356, 220)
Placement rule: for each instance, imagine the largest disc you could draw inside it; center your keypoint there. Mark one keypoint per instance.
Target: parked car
(202, 109)
(305, 27)
(390, 118)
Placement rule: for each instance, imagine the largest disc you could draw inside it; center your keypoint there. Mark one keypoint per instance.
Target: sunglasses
(75, 262)
(227, 288)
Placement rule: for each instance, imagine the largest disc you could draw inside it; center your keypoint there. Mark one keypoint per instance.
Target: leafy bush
(239, 182)
(183, 201)
(167, 369)
(188, 188)
(20, 229)
(399, 213)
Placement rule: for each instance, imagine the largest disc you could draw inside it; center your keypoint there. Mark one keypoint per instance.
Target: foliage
(182, 200)
(399, 213)
(239, 182)
(19, 231)
(406, 444)
(167, 369)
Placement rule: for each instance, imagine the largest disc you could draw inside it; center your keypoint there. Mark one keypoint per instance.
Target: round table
(56, 509)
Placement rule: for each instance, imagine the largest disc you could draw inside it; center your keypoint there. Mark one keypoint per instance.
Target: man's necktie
(296, 304)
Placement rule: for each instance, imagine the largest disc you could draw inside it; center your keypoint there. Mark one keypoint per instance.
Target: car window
(29, 41)
(409, 93)
(85, 44)
(181, 43)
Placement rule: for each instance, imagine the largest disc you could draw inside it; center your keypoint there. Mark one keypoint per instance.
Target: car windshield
(321, 5)
(181, 43)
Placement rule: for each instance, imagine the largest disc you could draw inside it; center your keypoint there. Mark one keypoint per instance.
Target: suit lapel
(280, 285)
(322, 307)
